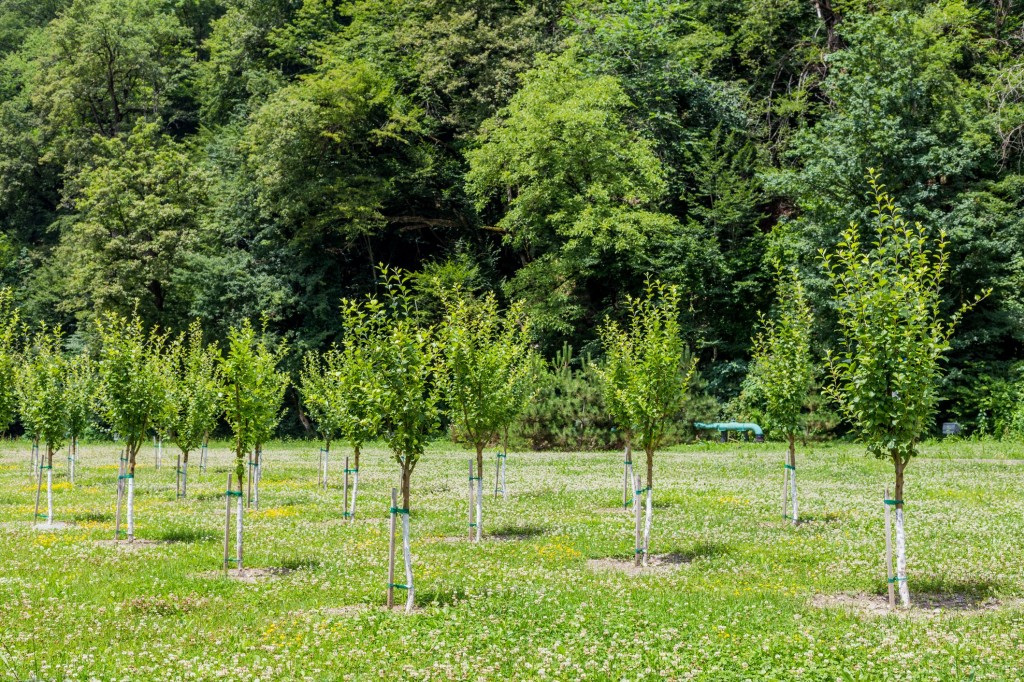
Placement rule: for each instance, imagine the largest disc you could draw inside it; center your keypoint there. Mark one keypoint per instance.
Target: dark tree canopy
(230, 159)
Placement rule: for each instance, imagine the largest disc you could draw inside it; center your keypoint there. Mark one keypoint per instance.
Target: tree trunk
(901, 537)
(830, 19)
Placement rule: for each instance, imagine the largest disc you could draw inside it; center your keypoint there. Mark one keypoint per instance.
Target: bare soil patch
(349, 610)
(656, 563)
(56, 525)
(250, 575)
(922, 604)
(134, 545)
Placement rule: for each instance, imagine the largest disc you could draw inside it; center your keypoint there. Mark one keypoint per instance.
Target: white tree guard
(407, 555)
(238, 534)
(49, 497)
(647, 523)
(901, 559)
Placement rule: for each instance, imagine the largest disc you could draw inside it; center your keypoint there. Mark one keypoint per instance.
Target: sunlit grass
(524, 603)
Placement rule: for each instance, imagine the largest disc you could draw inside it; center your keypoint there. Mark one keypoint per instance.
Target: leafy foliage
(197, 390)
(485, 360)
(404, 361)
(41, 383)
(783, 371)
(649, 370)
(8, 358)
(254, 388)
(885, 376)
(135, 380)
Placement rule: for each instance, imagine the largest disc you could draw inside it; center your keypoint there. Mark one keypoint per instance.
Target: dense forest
(231, 159)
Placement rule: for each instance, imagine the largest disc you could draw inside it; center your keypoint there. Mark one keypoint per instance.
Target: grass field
(751, 597)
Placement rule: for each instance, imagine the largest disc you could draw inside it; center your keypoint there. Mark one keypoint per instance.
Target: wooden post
(227, 526)
(888, 550)
(471, 496)
(391, 548)
(638, 546)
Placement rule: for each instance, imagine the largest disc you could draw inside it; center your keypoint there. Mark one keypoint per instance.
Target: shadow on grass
(518, 532)
(93, 516)
(186, 536)
(938, 591)
(437, 597)
(699, 550)
(298, 564)
(827, 517)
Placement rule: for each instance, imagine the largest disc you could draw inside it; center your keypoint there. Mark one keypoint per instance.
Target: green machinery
(724, 428)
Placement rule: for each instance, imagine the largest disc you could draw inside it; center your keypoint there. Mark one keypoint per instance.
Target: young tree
(782, 369)
(520, 388)
(886, 373)
(42, 377)
(79, 392)
(652, 383)
(614, 373)
(134, 386)
(406, 395)
(8, 358)
(481, 352)
(337, 389)
(318, 387)
(195, 395)
(254, 391)
(358, 388)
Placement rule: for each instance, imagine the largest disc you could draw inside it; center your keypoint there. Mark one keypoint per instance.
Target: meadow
(740, 595)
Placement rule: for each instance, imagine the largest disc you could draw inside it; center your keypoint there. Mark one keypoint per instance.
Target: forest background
(233, 159)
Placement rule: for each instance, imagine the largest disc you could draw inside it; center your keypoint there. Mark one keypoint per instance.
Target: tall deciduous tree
(481, 352)
(575, 187)
(139, 201)
(885, 375)
(134, 390)
(652, 383)
(196, 395)
(782, 369)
